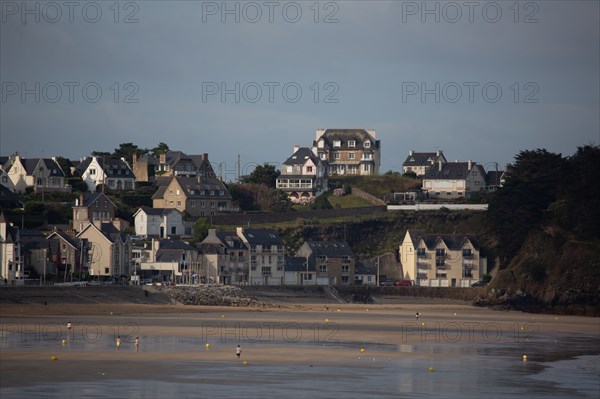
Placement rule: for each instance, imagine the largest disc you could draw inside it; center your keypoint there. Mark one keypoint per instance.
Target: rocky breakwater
(212, 295)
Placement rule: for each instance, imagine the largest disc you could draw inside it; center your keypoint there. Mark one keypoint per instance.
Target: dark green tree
(200, 229)
(159, 149)
(65, 164)
(262, 174)
(126, 150)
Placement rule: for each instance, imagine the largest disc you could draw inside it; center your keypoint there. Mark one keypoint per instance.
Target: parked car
(479, 284)
(388, 283)
(403, 283)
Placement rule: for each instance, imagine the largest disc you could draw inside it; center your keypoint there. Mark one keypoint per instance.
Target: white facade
(161, 222)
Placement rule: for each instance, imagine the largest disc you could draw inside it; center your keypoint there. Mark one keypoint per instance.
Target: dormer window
(367, 144)
(337, 143)
(351, 143)
(321, 144)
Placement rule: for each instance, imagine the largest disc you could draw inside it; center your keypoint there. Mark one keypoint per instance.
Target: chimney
(205, 156)
(163, 158)
(440, 166)
(134, 157)
(80, 200)
(439, 152)
(411, 152)
(470, 164)
(296, 148)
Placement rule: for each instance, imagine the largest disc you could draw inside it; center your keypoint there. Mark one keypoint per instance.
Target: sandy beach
(337, 340)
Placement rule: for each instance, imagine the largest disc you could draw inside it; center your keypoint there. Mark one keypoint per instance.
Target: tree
(161, 148)
(126, 150)
(262, 174)
(200, 229)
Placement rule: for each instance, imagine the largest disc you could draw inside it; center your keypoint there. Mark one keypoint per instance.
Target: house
(35, 253)
(420, 162)
(298, 272)
(92, 208)
(349, 151)
(5, 181)
(303, 176)
(226, 256)
(11, 261)
(169, 261)
(109, 250)
(41, 174)
(115, 174)
(144, 167)
(177, 163)
(333, 261)
(67, 253)
(453, 180)
(266, 256)
(365, 275)
(158, 222)
(441, 260)
(198, 196)
(494, 179)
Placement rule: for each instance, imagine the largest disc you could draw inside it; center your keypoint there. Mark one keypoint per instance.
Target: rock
(212, 295)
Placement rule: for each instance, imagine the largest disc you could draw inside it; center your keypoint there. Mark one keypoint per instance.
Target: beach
(295, 350)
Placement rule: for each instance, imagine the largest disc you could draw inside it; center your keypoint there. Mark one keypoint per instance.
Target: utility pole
(239, 166)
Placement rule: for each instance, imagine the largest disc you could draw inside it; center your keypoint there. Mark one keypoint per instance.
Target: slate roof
(70, 240)
(156, 211)
(423, 159)
(230, 240)
(297, 264)
(451, 171)
(494, 178)
(331, 249)
(51, 165)
(301, 156)
(189, 184)
(115, 168)
(262, 237)
(175, 245)
(345, 135)
(90, 198)
(452, 241)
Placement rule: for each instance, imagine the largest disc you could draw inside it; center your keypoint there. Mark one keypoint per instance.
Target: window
(178, 203)
(467, 273)
(212, 204)
(106, 270)
(366, 168)
(440, 262)
(173, 229)
(336, 155)
(367, 144)
(345, 268)
(467, 253)
(170, 192)
(202, 192)
(106, 204)
(202, 204)
(266, 270)
(193, 203)
(323, 269)
(212, 192)
(307, 276)
(309, 169)
(351, 143)
(420, 251)
(337, 143)
(350, 155)
(345, 279)
(321, 144)
(171, 203)
(178, 192)
(440, 252)
(221, 192)
(92, 171)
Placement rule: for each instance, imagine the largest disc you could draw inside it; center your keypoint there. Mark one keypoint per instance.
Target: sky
(479, 80)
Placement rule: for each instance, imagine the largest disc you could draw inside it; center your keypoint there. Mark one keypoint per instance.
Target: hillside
(544, 226)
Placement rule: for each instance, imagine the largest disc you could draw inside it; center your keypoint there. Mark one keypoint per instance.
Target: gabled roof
(155, 211)
(452, 241)
(175, 245)
(230, 240)
(51, 165)
(193, 187)
(65, 237)
(90, 198)
(108, 230)
(494, 177)
(262, 237)
(297, 264)
(301, 156)
(111, 167)
(423, 158)
(451, 171)
(345, 135)
(331, 249)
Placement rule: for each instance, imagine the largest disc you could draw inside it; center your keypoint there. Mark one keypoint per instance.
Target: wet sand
(360, 338)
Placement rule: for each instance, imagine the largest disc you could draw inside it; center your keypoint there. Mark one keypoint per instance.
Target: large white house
(303, 175)
(158, 222)
(454, 180)
(116, 174)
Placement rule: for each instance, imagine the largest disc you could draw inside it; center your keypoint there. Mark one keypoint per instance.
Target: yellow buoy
(207, 346)
(524, 358)
(431, 369)
(362, 350)
(423, 324)
(245, 363)
(326, 320)
(64, 341)
(222, 316)
(54, 358)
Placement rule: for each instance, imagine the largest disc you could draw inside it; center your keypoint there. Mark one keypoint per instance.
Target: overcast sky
(479, 80)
